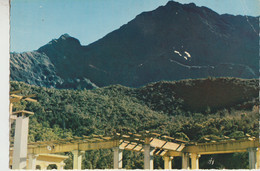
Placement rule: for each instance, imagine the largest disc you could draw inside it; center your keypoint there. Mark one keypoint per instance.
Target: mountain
(172, 42)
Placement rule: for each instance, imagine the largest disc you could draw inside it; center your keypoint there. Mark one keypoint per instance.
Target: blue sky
(36, 22)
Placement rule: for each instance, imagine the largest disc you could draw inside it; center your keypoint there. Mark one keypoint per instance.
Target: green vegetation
(188, 109)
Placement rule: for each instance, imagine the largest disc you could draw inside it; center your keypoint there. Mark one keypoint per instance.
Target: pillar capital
(81, 152)
(78, 152)
(167, 162)
(117, 148)
(34, 156)
(60, 166)
(147, 140)
(194, 155)
(22, 113)
(168, 157)
(253, 149)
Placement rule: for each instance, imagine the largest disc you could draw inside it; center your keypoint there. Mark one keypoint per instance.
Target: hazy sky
(36, 22)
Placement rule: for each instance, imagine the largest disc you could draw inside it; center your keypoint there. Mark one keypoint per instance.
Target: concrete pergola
(145, 142)
(44, 160)
(246, 144)
(150, 144)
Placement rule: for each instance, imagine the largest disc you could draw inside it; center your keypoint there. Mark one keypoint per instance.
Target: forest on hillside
(191, 110)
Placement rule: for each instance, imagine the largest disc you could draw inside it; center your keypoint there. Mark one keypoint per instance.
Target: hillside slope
(176, 109)
(131, 108)
(172, 42)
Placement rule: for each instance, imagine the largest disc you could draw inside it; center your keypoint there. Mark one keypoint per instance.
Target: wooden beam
(14, 100)
(31, 95)
(16, 96)
(181, 147)
(173, 153)
(98, 145)
(132, 139)
(138, 148)
(131, 146)
(22, 112)
(164, 144)
(222, 147)
(59, 148)
(15, 92)
(52, 158)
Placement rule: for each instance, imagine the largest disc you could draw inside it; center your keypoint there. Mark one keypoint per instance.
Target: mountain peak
(65, 41)
(65, 36)
(170, 3)
(177, 4)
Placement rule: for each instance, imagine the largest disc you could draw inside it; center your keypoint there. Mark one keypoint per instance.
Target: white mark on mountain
(94, 67)
(187, 53)
(177, 52)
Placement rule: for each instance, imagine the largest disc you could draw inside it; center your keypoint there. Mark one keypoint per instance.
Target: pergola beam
(222, 147)
(59, 148)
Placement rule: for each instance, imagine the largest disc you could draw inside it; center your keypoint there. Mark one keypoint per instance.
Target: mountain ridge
(163, 44)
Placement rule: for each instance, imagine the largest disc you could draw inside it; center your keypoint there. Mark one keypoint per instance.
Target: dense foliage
(188, 109)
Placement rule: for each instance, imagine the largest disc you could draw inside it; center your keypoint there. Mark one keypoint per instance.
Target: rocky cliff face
(37, 69)
(172, 42)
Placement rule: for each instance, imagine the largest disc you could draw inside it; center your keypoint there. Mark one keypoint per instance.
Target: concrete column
(185, 161)
(32, 161)
(77, 159)
(148, 157)
(60, 166)
(194, 160)
(167, 162)
(118, 158)
(44, 166)
(252, 158)
(258, 159)
(20, 142)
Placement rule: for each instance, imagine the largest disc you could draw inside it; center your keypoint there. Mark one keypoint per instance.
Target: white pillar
(118, 158)
(167, 162)
(77, 159)
(32, 161)
(148, 157)
(20, 142)
(194, 160)
(44, 166)
(258, 159)
(252, 158)
(61, 166)
(185, 161)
